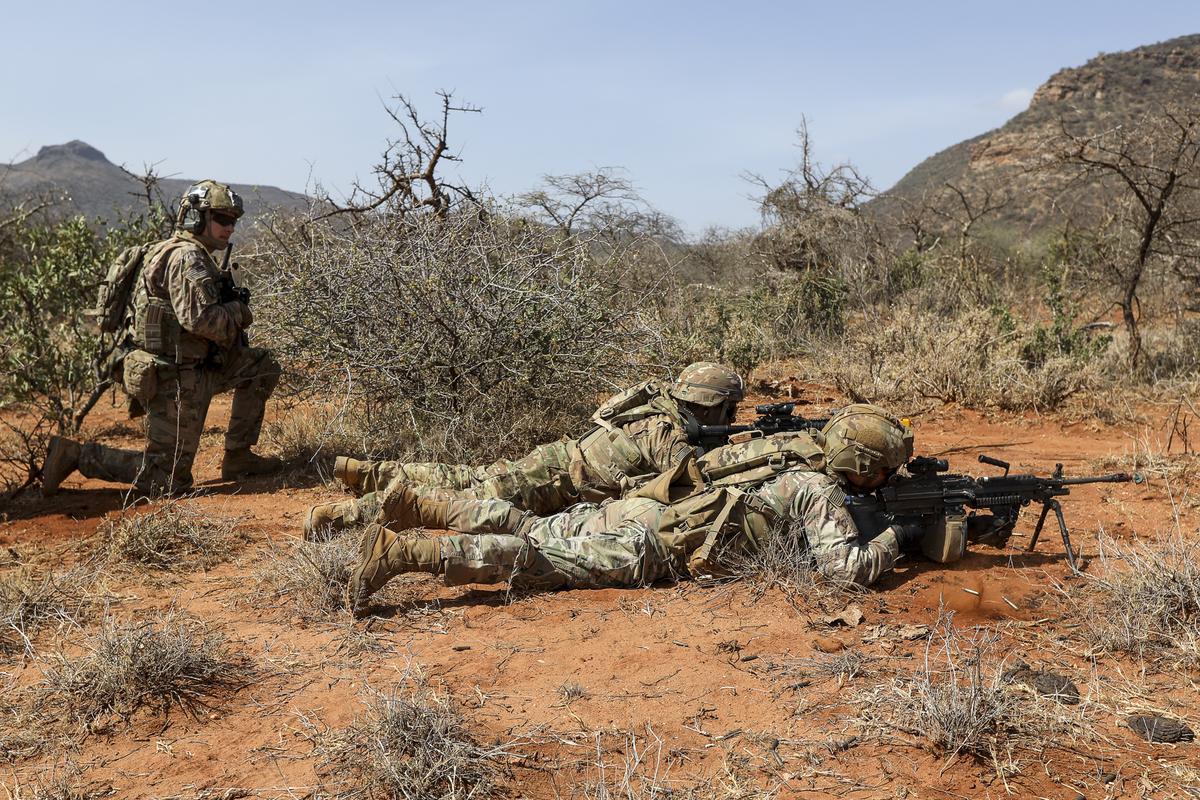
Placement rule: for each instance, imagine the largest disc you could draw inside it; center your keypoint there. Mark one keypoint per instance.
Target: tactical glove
(908, 533)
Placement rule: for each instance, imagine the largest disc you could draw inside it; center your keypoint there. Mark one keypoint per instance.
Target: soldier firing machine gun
(929, 492)
(772, 418)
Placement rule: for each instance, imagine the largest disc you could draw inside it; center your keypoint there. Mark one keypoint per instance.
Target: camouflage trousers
(175, 420)
(539, 481)
(586, 547)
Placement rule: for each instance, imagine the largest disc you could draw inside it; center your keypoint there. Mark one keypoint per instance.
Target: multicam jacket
(177, 307)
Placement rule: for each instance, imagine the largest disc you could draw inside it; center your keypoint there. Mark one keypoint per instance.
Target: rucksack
(114, 302)
(758, 460)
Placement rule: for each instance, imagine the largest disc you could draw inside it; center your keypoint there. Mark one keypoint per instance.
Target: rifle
(929, 491)
(772, 418)
(230, 291)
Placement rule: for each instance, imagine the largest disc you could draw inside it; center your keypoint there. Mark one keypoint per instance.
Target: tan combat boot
(351, 472)
(62, 458)
(243, 462)
(403, 508)
(327, 520)
(382, 556)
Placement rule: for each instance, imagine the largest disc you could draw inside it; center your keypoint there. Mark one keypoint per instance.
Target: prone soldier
(635, 435)
(733, 499)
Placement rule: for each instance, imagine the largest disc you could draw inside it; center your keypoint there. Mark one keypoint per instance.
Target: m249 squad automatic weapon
(930, 492)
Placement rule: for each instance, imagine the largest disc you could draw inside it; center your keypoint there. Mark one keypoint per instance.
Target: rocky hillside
(95, 187)
(1111, 89)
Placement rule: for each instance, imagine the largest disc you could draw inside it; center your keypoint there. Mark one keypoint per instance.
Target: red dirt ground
(733, 681)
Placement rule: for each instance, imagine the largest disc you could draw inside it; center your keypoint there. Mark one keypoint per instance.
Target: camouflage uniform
(765, 488)
(637, 435)
(188, 351)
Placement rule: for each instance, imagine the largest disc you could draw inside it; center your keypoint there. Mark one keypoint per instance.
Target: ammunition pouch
(140, 377)
(946, 539)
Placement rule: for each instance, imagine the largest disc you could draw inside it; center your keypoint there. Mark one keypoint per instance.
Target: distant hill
(1111, 89)
(95, 187)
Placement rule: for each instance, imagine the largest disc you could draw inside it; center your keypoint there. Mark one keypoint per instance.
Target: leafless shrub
(163, 662)
(28, 604)
(1145, 600)
(173, 535)
(409, 743)
(312, 575)
(458, 338)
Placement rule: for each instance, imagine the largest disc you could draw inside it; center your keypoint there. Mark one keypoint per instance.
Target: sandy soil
(732, 687)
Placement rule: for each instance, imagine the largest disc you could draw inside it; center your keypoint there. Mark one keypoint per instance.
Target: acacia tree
(406, 175)
(603, 202)
(1148, 181)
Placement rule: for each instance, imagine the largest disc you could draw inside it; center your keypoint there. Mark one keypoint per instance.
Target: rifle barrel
(1116, 477)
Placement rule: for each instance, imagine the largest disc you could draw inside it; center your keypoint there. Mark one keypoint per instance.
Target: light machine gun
(772, 418)
(929, 494)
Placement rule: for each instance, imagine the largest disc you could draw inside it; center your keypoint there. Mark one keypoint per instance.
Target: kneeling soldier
(189, 344)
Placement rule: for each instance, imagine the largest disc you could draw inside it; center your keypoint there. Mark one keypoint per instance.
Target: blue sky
(686, 96)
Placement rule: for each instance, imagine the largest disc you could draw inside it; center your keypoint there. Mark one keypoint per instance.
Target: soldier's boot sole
(62, 458)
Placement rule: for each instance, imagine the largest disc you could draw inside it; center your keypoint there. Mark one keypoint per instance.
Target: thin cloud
(1016, 99)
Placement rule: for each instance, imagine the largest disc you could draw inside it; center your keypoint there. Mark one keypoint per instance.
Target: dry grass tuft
(571, 690)
(1145, 600)
(782, 562)
(309, 437)
(639, 773)
(312, 574)
(173, 535)
(160, 663)
(875, 365)
(63, 781)
(955, 701)
(27, 605)
(408, 744)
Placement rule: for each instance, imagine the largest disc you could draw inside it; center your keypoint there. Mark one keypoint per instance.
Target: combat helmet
(862, 439)
(207, 195)
(708, 384)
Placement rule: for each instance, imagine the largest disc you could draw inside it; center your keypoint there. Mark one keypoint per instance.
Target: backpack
(636, 402)
(758, 460)
(114, 301)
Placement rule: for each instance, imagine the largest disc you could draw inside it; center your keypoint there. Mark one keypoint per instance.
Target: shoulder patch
(836, 496)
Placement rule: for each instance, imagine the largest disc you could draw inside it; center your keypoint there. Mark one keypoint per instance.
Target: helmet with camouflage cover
(708, 384)
(207, 195)
(863, 439)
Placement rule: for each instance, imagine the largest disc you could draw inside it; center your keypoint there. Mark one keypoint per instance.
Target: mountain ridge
(1110, 89)
(97, 188)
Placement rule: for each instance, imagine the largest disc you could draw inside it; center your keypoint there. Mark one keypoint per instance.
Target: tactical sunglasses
(224, 219)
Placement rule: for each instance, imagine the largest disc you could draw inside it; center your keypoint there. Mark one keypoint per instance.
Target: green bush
(49, 274)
